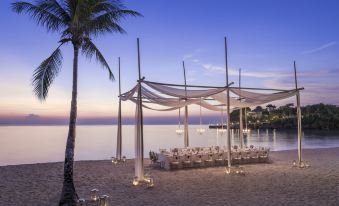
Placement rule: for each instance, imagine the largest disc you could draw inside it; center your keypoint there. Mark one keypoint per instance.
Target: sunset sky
(264, 39)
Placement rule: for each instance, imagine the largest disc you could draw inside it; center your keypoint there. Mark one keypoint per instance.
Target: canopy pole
(298, 116)
(139, 162)
(186, 140)
(241, 132)
(228, 112)
(119, 132)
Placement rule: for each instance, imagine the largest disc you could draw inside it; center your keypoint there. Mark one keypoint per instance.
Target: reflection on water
(32, 144)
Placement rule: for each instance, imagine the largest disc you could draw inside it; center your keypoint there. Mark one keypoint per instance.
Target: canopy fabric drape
(255, 98)
(182, 93)
(174, 98)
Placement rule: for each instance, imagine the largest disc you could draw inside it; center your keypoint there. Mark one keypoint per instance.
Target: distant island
(317, 116)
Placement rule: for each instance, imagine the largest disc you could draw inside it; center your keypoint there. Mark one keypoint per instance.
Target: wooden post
(228, 111)
(119, 129)
(186, 138)
(140, 143)
(298, 116)
(241, 131)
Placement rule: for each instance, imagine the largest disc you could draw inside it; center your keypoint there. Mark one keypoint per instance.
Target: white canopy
(173, 98)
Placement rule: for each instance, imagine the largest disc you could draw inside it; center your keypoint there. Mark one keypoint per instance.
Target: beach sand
(276, 183)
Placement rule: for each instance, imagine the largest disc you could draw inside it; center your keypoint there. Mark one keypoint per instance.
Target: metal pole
(241, 134)
(119, 132)
(141, 141)
(298, 116)
(186, 140)
(228, 111)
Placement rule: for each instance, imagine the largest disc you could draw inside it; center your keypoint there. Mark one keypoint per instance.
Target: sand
(264, 184)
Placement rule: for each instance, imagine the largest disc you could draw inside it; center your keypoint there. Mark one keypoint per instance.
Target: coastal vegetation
(317, 116)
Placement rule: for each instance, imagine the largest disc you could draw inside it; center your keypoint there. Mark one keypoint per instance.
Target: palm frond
(41, 15)
(56, 8)
(109, 21)
(44, 75)
(89, 49)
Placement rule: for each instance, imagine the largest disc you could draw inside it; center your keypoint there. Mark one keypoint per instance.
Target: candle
(81, 202)
(150, 183)
(104, 200)
(94, 195)
(135, 181)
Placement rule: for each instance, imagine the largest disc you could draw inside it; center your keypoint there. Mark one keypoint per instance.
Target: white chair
(263, 155)
(218, 159)
(236, 157)
(197, 161)
(245, 156)
(174, 162)
(208, 159)
(254, 154)
(186, 161)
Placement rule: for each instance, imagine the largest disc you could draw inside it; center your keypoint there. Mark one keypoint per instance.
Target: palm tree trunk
(68, 194)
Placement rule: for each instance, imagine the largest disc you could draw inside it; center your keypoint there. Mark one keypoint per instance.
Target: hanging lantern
(222, 131)
(200, 130)
(179, 131)
(246, 130)
(94, 195)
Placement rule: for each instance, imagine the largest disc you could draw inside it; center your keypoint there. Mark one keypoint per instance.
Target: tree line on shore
(318, 116)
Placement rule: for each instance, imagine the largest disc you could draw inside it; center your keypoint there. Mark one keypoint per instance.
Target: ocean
(39, 144)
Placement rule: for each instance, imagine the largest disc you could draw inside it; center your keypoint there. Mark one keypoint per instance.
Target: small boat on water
(217, 126)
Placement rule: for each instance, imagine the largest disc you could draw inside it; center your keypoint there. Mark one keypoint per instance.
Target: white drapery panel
(234, 102)
(254, 98)
(128, 95)
(175, 98)
(181, 93)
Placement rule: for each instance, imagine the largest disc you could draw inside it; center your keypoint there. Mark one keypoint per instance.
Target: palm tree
(77, 21)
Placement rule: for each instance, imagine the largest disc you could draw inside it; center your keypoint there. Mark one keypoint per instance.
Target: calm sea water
(36, 144)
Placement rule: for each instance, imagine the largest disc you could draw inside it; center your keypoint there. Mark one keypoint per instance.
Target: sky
(264, 38)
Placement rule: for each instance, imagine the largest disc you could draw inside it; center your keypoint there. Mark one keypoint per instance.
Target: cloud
(322, 47)
(235, 72)
(191, 55)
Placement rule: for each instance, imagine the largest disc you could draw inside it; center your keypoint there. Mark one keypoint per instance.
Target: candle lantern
(94, 195)
(150, 183)
(114, 160)
(81, 202)
(123, 158)
(135, 181)
(147, 177)
(294, 163)
(228, 170)
(104, 200)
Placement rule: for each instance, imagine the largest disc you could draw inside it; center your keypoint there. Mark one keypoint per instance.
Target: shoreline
(108, 159)
(264, 184)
